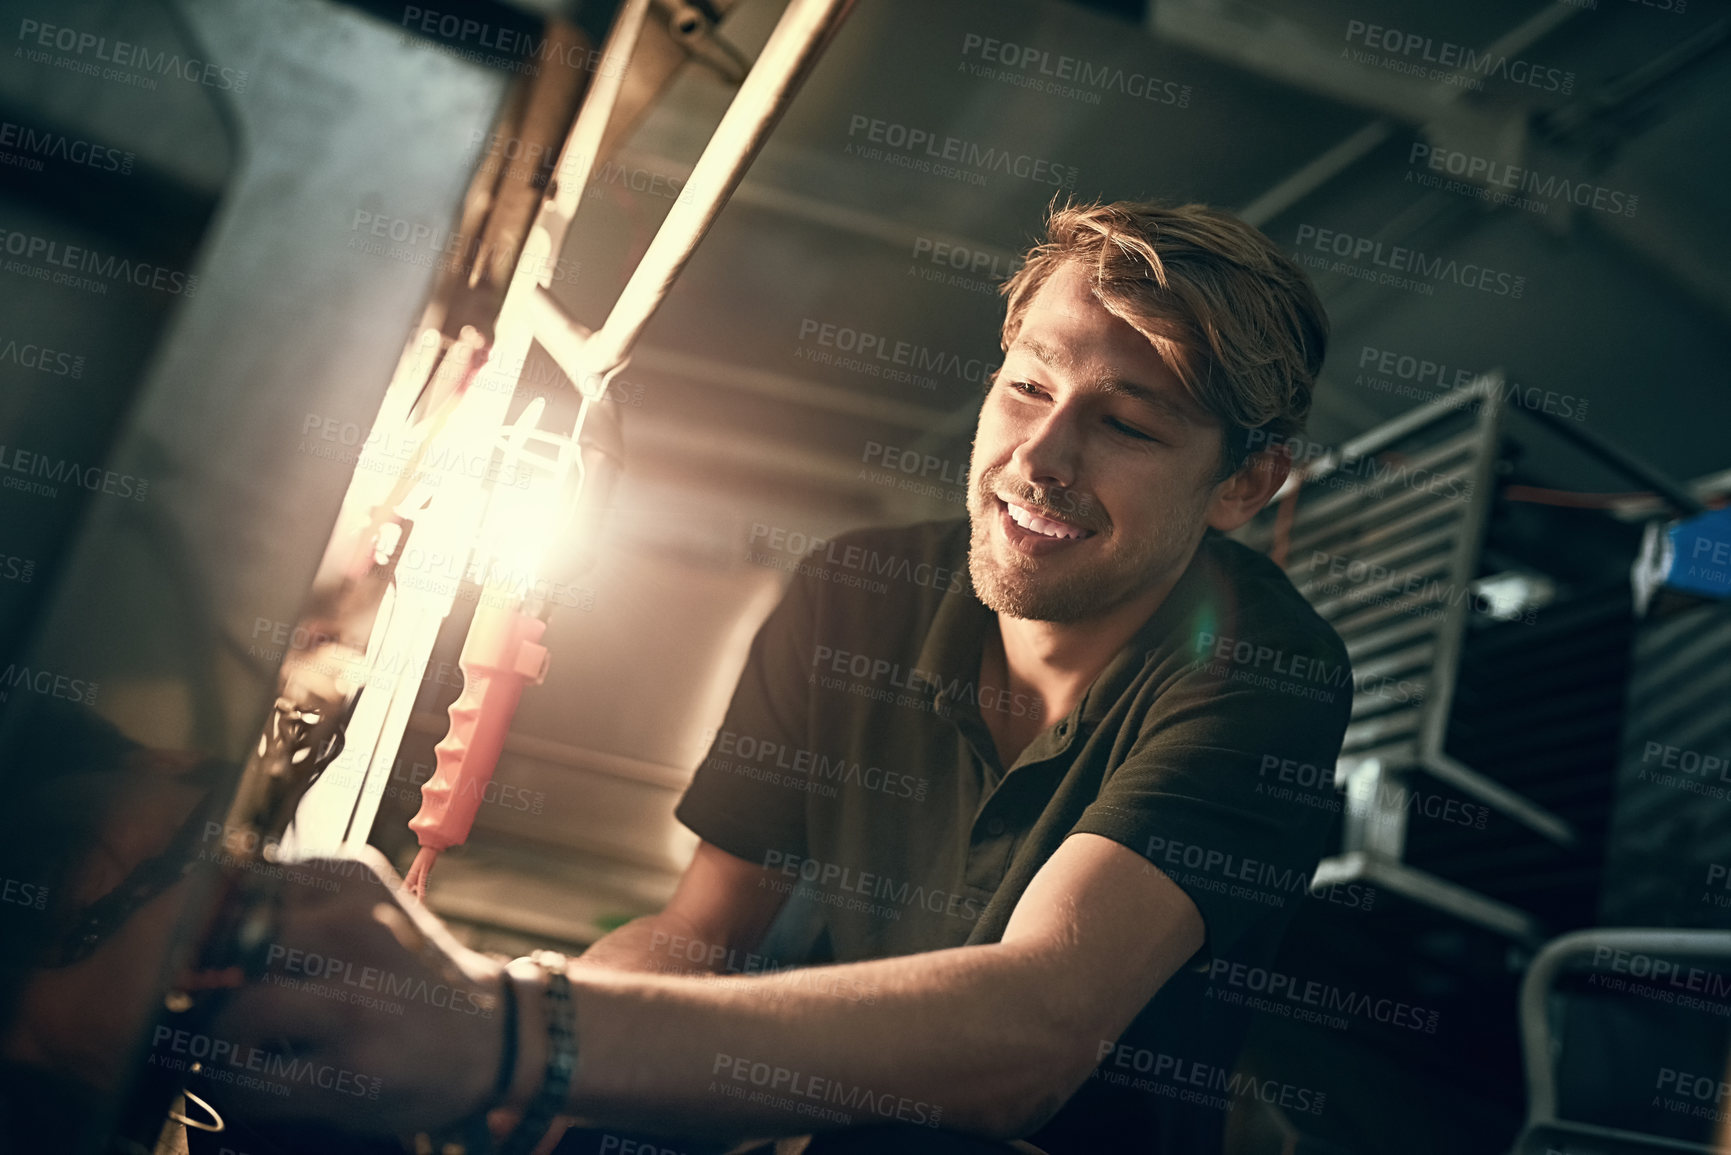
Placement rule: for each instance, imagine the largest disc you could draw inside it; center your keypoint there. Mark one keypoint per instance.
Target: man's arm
(720, 910)
(991, 1038)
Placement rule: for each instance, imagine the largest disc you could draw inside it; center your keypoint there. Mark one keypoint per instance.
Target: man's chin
(1014, 594)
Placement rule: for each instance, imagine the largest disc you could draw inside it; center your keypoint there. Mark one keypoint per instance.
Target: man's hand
(989, 1039)
(369, 1015)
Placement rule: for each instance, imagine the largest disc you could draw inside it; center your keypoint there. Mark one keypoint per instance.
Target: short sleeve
(1228, 789)
(743, 798)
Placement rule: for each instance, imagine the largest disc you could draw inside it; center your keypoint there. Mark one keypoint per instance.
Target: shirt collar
(954, 643)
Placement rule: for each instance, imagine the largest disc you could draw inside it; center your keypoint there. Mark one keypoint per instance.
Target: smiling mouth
(1044, 526)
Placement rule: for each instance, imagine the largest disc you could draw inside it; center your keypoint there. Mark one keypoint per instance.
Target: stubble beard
(1018, 586)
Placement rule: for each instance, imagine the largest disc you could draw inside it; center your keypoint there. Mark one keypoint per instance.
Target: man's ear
(1242, 496)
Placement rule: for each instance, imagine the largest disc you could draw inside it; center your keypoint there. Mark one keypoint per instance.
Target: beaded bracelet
(561, 1058)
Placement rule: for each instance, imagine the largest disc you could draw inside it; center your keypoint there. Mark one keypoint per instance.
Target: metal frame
(1374, 838)
(530, 314)
(1537, 1043)
(1373, 842)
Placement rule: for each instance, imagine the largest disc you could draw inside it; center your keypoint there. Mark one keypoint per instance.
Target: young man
(1021, 779)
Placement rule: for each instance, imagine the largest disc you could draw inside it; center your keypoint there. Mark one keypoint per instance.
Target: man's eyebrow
(1106, 383)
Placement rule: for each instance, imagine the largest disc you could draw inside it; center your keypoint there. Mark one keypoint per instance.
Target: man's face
(1092, 473)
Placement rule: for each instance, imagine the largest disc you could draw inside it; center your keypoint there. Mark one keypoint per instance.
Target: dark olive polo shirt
(855, 763)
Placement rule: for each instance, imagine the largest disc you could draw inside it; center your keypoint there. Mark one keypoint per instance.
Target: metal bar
(1427, 890)
(1396, 755)
(1318, 171)
(1369, 616)
(1630, 1142)
(793, 48)
(1423, 573)
(582, 149)
(1407, 423)
(1385, 638)
(1388, 664)
(1425, 508)
(1541, 976)
(1369, 705)
(556, 331)
(1386, 557)
(1428, 458)
(1383, 727)
(1499, 797)
(1622, 460)
(1474, 524)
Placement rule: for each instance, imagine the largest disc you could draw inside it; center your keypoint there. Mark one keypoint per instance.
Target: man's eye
(1025, 388)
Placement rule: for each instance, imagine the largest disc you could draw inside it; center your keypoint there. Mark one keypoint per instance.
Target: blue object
(1693, 556)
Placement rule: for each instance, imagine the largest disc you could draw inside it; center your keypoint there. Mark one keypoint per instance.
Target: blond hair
(1232, 316)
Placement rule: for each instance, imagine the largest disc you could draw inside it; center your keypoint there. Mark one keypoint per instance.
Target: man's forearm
(648, 945)
(968, 1038)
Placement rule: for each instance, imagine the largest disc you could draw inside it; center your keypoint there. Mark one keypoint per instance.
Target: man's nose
(1050, 450)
